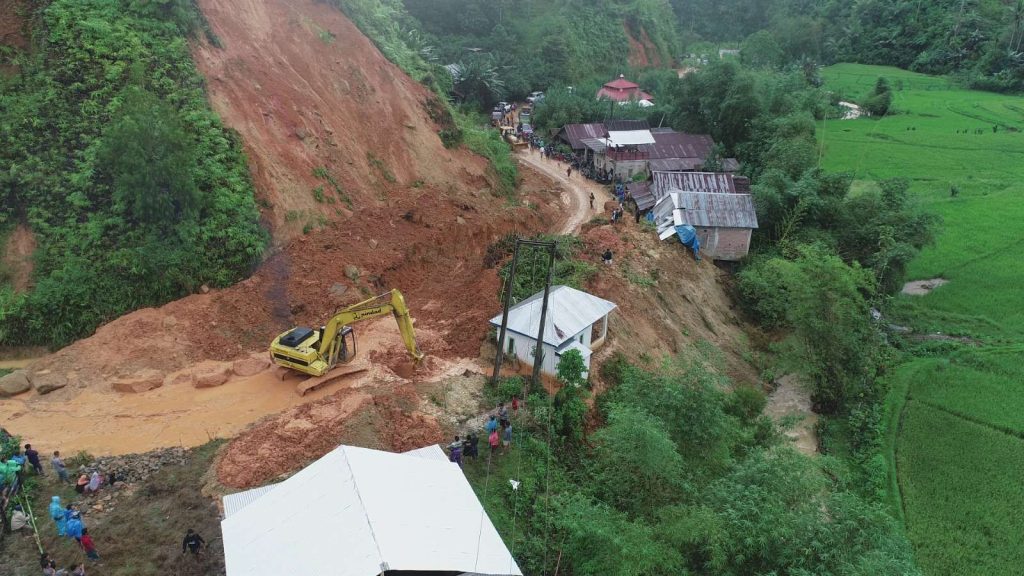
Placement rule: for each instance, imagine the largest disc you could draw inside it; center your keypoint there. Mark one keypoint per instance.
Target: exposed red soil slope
(306, 89)
(12, 31)
(17, 257)
(642, 51)
(425, 234)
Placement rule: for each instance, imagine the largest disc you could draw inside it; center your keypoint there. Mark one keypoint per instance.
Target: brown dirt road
(576, 191)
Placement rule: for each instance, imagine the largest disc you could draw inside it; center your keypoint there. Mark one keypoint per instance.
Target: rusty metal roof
(676, 164)
(715, 210)
(681, 145)
(625, 125)
(641, 192)
(575, 133)
(665, 182)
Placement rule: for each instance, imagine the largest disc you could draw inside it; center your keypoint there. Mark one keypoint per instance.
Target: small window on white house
(511, 346)
(581, 338)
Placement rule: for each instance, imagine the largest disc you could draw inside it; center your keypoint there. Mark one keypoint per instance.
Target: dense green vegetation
(981, 40)
(109, 152)
(684, 478)
(531, 271)
(956, 432)
(540, 43)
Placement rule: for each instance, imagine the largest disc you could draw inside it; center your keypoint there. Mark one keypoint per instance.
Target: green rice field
(957, 447)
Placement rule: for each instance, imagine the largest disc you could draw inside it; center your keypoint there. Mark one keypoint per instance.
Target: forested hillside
(134, 191)
(533, 44)
(980, 39)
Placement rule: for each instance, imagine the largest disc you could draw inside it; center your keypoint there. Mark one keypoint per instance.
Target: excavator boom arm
(392, 302)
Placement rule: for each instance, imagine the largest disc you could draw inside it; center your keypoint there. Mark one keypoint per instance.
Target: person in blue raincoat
(57, 513)
(75, 525)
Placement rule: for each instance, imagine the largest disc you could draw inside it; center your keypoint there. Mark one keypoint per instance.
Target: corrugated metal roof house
(711, 182)
(724, 222)
(572, 320)
(574, 134)
(681, 145)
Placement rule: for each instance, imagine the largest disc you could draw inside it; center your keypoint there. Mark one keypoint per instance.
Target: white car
(535, 97)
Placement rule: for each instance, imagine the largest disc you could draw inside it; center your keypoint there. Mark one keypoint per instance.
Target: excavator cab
(346, 345)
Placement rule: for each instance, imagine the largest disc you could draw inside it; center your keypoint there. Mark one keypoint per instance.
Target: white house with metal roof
(362, 512)
(576, 320)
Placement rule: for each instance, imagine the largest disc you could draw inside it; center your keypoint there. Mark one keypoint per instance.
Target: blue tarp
(688, 236)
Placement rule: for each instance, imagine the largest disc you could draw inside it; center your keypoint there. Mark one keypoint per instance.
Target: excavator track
(334, 375)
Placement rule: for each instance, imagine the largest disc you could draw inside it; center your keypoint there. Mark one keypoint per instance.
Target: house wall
(523, 350)
(624, 168)
(730, 244)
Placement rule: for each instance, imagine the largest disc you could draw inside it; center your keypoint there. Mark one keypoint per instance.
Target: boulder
(178, 378)
(351, 272)
(338, 290)
(211, 374)
(46, 381)
(142, 382)
(251, 365)
(14, 383)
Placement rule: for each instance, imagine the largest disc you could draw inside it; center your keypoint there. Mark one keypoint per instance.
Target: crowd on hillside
(497, 429)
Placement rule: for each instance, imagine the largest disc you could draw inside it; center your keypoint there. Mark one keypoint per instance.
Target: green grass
(955, 414)
(962, 491)
(140, 536)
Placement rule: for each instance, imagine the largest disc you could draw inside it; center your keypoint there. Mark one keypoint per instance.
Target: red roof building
(622, 90)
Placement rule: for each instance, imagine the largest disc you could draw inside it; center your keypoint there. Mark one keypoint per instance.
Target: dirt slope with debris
(426, 233)
(307, 90)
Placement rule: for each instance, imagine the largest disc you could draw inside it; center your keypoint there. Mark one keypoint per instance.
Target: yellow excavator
(316, 352)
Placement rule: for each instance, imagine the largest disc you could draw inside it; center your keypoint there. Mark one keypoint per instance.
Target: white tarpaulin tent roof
(628, 138)
(235, 502)
(361, 512)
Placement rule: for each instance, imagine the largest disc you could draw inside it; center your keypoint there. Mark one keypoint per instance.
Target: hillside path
(575, 191)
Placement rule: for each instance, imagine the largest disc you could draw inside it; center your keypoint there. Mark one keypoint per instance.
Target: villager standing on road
(33, 459)
(58, 466)
(591, 200)
(568, 172)
(193, 542)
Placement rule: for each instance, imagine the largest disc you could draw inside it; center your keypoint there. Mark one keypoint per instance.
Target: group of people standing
(498, 430)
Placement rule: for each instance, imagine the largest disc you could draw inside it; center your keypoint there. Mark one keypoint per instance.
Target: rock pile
(132, 468)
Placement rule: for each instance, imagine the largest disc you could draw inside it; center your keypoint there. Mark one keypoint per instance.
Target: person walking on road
(568, 172)
(591, 200)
